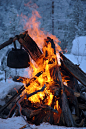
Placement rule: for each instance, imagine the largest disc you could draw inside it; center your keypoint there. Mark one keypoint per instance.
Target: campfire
(52, 92)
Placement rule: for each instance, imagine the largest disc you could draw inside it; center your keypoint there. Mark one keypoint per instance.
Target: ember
(52, 91)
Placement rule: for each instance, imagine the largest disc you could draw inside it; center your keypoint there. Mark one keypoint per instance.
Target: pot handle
(14, 45)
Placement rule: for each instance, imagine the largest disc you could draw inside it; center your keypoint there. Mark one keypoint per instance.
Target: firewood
(29, 113)
(46, 41)
(31, 47)
(66, 111)
(12, 40)
(78, 119)
(23, 127)
(44, 116)
(48, 108)
(74, 93)
(71, 96)
(74, 70)
(65, 107)
(69, 78)
(7, 43)
(36, 92)
(48, 117)
(17, 103)
(41, 113)
(20, 79)
(83, 89)
(82, 106)
(22, 88)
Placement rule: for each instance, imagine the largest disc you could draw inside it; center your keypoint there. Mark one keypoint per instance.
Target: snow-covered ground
(18, 122)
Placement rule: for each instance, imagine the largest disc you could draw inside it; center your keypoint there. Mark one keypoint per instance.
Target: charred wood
(31, 47)
(40, 113)
(46, 42)
(12, 40)
(20, 79)
(82, 106)
(74, 70)
(22, 88)
(66, 112)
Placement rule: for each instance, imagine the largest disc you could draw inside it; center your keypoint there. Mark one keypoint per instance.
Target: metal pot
(18, 58)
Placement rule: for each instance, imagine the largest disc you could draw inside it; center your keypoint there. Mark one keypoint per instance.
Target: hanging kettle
(18, 58)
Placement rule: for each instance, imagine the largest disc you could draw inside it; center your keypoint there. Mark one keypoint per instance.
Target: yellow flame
(32, 26)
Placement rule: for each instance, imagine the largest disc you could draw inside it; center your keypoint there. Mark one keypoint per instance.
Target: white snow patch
(12, 123)
(18, 122)
(5, 87)
(79, 46)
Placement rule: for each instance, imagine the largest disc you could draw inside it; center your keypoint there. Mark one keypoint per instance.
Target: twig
(11, 111)
(23, 127)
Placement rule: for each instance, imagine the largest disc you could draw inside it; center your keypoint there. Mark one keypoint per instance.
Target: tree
(4, 66)
(53, 17)
(78, 17)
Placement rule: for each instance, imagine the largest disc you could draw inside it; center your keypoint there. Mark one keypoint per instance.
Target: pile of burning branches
(53, 94)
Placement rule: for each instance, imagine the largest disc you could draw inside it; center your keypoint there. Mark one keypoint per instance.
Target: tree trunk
(53, 17)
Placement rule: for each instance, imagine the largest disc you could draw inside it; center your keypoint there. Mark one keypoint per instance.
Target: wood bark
(66, 111)
(31, 47)
(20, 79)
(74, 70)
(12, 40)
(22, 88)
(6, 43)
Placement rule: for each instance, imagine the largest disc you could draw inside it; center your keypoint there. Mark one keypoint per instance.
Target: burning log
(22, 88)
(65, 107)
(31, 47)
(20, 79)
(41, 113)
(18, 101)
(74, 70)
(66, 111)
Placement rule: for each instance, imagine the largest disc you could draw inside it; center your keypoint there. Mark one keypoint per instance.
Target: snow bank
(18, 122)
(79, 46)
(5, 87)
(12, 123)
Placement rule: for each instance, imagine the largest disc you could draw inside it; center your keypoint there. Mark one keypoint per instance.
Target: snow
(79, 46)
(15, 123)
(5, 87)
(18, 122)
(78, 52)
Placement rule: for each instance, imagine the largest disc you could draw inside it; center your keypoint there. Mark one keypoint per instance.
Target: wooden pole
(12, 40)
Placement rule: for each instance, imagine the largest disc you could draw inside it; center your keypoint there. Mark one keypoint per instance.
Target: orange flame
(32, 26)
